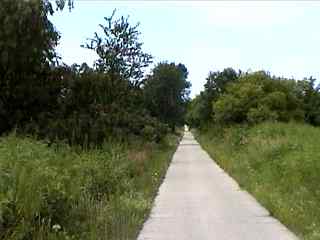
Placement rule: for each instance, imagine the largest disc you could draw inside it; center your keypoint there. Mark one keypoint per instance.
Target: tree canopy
(250, 98)
(77, 103)
(167, 92)
(119, 49)
(200, 109)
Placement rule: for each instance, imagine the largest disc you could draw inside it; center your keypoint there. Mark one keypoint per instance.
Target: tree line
(79, 104)
(236, 97)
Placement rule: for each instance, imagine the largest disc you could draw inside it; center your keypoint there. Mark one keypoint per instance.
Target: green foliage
(200, 110)
(278, 163)
(119, 49)
(107, 101)
(167, 92)
(217, 81)
(311, 100)
(195, 109)
(27, 41)
(92, 109)
(252, 98)
(258, 97)
(59, 192)
(78, 104)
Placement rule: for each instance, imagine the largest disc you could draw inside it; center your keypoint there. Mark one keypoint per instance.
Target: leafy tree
(27, 42)
(258, 97)
(195, 110)
(120, 50)
(217, 81)
(200, 111)
(214, 87)
(80, 104)
(102, 102)
(167, 93)
(311, 100)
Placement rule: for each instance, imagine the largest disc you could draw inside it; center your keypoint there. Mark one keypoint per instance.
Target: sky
(281, 37)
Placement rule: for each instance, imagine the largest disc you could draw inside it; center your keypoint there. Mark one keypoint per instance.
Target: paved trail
(199, 201)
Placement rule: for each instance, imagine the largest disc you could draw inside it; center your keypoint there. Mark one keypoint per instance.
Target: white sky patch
(249, 16)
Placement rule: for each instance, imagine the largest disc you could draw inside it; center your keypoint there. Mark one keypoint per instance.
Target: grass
(60, 192)
(279, 164)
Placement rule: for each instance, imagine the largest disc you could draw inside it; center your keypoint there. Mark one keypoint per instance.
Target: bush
(261, 114)
(95, 107)
(258, 97)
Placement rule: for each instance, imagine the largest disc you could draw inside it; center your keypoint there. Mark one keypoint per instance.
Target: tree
(311, 100)
(217, 81)
(258, 97)
(200, 111)
(120, 51)
(167, 93)
(196, 107)
(104, 101)
(27, 52)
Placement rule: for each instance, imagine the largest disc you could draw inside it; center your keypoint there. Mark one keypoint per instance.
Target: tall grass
(279, 164)
(59, 192)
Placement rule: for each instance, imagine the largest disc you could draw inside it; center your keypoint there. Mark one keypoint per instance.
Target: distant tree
(119, 49)
(200, 111)
(217, 81)
(196, 107)
(258, 97)
(167, 93)
(310, 93)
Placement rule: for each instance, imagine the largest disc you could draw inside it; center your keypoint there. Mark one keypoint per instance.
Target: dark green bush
(27, 41)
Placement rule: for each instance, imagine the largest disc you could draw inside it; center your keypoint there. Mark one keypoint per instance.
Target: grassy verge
(279, 164)
(60, 192)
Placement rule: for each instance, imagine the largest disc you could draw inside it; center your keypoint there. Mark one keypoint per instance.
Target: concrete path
(199, 201)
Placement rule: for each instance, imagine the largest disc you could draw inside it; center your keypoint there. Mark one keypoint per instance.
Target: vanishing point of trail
(199, 201)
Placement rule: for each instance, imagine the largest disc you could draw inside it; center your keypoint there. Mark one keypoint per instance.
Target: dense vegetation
(249, 98)
(81, 104)
(60, 192)
(83, 149)
(258, 128)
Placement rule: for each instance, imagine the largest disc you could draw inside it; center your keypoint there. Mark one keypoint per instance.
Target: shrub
(260, 114)
(258, 97)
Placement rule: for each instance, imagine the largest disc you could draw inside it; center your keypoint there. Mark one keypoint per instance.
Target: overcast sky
(280, 37)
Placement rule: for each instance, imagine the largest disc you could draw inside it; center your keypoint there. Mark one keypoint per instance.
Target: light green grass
(59, 192)
(279, 164)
